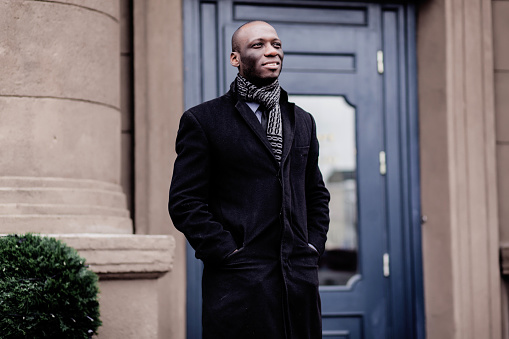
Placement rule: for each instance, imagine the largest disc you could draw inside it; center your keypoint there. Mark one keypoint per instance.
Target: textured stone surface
(58, 205)
(128, 266)
(47, 223)
(158, 106)
(500, 32)
(129, 309)
(436, 234)
(59, 138)
(503, 191)
(124, 256)
(458, 174)
(50, 49)
(51, 205)
(108, 7)
(60, 166)
(502, 105)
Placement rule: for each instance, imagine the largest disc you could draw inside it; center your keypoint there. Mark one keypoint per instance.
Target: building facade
(91, 94)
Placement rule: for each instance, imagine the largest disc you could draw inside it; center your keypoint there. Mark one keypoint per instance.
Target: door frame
(409, 253)
(408, 162)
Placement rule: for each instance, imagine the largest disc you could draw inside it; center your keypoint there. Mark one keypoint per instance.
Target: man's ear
(235, 59)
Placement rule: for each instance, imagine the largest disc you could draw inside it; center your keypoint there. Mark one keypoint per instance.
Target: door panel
(330, 69)
(339, 62)
(358, 308)
(337, 134)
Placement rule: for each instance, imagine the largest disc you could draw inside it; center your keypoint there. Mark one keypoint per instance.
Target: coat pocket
(232, 257)
(299, 158)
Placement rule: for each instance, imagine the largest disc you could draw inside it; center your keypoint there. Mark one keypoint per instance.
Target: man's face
(259, 57)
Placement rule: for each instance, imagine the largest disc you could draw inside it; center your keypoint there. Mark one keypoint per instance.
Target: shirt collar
(253, 105)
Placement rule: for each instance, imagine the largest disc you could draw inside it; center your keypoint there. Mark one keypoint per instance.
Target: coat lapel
(288, 120)
(253, 123)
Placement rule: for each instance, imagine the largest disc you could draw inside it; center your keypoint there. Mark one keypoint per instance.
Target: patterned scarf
(268, 98)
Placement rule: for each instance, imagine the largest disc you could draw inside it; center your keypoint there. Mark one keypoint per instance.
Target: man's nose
(271, 51)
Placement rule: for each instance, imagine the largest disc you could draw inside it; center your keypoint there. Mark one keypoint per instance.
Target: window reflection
(335, 125)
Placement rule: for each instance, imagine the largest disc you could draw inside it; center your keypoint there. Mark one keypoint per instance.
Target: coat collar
(288, 120)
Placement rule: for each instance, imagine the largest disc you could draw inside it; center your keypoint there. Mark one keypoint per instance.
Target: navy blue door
(350, 65)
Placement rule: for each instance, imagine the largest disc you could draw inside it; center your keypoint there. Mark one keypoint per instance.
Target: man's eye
(258, 44)
(277, 44)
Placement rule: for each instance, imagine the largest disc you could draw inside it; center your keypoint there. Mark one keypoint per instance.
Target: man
(249, 196)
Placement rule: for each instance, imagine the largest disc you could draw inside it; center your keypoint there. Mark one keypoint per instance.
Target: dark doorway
(352, 65)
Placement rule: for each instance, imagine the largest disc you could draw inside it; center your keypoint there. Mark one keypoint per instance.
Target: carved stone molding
(124, 256)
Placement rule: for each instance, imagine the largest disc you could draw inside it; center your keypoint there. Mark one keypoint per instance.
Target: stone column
(60, 117)
(458, 173)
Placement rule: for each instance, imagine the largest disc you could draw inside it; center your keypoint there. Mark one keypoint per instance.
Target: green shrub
(46, 291)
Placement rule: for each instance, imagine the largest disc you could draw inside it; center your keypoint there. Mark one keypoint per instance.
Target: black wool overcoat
(229, 193)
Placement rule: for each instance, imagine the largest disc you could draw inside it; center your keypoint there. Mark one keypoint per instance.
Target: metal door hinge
(387, 270)
(383, 163)
(380, 61)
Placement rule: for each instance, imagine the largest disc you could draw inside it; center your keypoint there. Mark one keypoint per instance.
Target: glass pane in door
(336, 132)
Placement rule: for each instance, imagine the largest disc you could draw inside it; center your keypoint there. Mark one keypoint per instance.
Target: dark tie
(264, 117)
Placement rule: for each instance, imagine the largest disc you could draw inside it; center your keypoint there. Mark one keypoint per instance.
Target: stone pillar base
(129, 267)
(58, 205)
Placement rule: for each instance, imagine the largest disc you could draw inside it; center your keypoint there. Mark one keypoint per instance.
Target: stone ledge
(124, 256)
(57, 224)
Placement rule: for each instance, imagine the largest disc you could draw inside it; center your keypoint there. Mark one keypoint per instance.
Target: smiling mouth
(271, 64)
